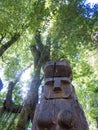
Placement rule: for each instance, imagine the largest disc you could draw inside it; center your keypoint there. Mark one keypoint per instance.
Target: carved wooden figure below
(59, 108)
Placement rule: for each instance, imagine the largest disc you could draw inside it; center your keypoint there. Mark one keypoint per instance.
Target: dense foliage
(32, 32)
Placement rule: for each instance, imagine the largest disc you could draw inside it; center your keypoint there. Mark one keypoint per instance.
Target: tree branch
(39, 42)
(13, 39)
(8, 104)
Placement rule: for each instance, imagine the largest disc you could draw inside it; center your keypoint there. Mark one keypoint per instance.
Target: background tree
(34, 32)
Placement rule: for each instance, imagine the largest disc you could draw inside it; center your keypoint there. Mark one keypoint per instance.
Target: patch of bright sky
(92, 2)
(3, 80)
(25, 80)
(26, 75)
(0, 72)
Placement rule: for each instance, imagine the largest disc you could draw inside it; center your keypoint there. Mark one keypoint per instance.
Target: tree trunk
(41, 55)
(10, 110)
(9, 105)
(29, 103)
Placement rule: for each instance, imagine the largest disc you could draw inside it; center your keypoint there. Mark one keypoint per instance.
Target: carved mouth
(52, 98)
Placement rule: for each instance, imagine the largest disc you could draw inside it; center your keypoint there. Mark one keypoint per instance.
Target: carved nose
(57, 85)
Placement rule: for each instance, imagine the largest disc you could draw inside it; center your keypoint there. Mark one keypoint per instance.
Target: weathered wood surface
(59, 114)
(59, 108)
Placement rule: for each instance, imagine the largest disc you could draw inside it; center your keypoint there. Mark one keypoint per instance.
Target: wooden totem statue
(59, 108)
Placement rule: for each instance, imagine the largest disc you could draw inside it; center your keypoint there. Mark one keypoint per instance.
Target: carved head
(58, 77)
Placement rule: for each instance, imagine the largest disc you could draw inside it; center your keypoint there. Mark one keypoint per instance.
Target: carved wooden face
(58, 78)
(57, 88)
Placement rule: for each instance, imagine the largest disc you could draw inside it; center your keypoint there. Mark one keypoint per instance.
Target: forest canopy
(33, 32)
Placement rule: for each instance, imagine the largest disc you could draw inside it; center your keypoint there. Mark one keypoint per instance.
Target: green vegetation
(35, 31)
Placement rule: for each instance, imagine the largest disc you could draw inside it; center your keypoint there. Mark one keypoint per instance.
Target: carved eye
(64, 82)
(49, 83)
